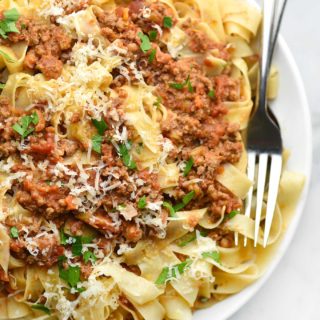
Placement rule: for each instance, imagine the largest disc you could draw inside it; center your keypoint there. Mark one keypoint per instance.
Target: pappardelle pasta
(122, 164)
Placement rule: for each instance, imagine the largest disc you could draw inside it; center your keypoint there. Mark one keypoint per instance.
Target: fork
(264, 142)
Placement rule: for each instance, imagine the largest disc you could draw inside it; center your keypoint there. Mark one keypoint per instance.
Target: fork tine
(275, 173)
(263, 162)
(250, 174)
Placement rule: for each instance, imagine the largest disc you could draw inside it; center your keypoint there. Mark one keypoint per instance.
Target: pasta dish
(122, 163)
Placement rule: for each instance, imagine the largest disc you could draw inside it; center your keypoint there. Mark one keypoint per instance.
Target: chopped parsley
(145, 42)
(180, 86)
(142, 203)
(97, 142)
(231, 215)
(190, 237)
(188, 167)
(6, 56)
(8, 24)
(214, 255)
(153, 35)
(11, 15)
(185, 200)
(23, 127)
(89, 256)
(71, 275)
(14, 233)
(2, 85)
(152, 55)
(158, 102)
(211, 94)
(169, 206)
(169, 273)
(100, 125)
(41, 307)
(126, 156)
(167, 22)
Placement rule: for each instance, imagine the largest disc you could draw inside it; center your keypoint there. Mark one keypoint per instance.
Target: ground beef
(47, 43)
(48, 200)
(47, 253)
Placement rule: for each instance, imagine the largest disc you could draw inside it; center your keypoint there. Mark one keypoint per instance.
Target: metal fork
(264, 143)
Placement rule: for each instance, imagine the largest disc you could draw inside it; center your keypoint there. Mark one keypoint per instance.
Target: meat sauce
(195, 125)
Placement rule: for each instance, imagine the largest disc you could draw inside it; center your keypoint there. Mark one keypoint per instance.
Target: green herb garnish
(97, 142)
(8, 24)
(89, 256)
(211, 94)
(41, 307)
(153, 35)
(2, 85)
(168, 205)
(188, 167)
(167, 22)
(187, 239)
(100, 125)
(71, 275)
(6, 56)
(231, 215)
(152, 55)
(158, 102)
(145, 42)
(23, 126)
(14, 233)
(180, 86)
(126, 156)
(142, 203)
(169, 273)
(214, 255)
(185, 200)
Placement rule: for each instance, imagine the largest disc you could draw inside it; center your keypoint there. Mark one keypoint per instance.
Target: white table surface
(293, 291)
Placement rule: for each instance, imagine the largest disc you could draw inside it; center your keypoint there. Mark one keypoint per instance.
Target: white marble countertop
(293, 291)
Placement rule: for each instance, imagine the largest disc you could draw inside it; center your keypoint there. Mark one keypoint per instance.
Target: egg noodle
(122, 167)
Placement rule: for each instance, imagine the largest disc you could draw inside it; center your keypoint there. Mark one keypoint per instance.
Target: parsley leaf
(169, 273)
(126, 156)
(6, 56)
(100, 125)
(8, 24)
(211, 94)
(11, 15)
(71, 275)
(167, 22)
(152, 55)
(153, 35)
(168, 205)
(23, 126)
(14, 233)
(185, 200)
(63, 237)
(231, 215)
(145, 42)
(88, 255)
(41, 307)
(96, 143)
(2, 85)
(158, 102)
(187, 239)
(180, 86)
(142, 203)
(76, 246)
(214, 255)
(188, 167)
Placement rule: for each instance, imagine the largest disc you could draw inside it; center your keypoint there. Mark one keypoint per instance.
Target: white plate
(292, 111)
